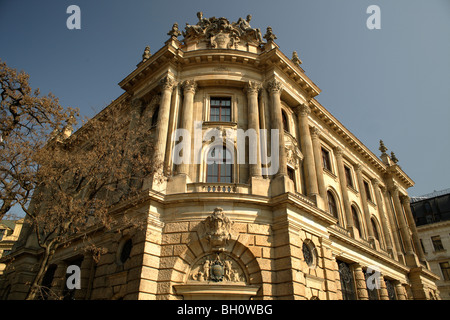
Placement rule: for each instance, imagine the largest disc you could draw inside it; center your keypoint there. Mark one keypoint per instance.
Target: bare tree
(68, 184)
(80, 178)
(26, 122)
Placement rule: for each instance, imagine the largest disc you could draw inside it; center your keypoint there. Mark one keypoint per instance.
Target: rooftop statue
(221, 33)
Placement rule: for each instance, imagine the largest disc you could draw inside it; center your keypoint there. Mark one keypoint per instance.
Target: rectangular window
(348, 176)
(367, 190)
(437, 243)
(220, 109)
(445, 268)
(326, 159)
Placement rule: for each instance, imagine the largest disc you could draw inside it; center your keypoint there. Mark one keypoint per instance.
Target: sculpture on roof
(174, 32)
(220, 33)
(146, 55)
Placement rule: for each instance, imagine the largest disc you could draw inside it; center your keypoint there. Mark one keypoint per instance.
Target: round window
(309, 253)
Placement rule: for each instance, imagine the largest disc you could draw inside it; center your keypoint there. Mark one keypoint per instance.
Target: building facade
(432, 216)
(296, 208)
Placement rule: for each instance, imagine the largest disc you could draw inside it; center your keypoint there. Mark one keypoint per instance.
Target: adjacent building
(300, 210)
(432, 215)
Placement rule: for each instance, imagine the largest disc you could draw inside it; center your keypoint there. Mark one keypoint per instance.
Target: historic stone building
(297, 209)
(432, 216)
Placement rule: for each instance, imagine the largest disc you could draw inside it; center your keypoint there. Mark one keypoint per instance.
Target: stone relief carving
(217, 268)
(217, 230)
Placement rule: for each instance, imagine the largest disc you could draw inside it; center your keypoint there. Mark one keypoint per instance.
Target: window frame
(326, 159)
(437, 244)
(221, 98)
(445, 271)
(219, 166)
(349, 176)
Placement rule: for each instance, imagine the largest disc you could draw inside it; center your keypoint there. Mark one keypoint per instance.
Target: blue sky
(391, 84)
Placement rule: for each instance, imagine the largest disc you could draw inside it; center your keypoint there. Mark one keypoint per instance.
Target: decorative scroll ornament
(217, 230)
(216, 269)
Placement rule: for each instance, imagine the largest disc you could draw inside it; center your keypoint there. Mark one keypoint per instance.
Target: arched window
(285, 121)
(332, 207)
(356, 222)
(220, 165)
(375, 229)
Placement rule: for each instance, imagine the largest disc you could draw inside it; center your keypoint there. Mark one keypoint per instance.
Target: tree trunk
(35, 286)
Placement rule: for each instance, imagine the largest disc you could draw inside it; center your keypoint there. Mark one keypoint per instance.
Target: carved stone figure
(146, 55)
(222, 34)
(295, 59)
(269, 36)
(217, 268)
(218, 229)
(174, 32)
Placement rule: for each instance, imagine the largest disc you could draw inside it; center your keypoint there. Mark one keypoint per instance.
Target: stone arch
(197, 250)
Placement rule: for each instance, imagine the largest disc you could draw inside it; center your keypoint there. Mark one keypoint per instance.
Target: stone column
(252, 88)
(303, 111)
(384, 222)
(360, 280)
(404, 230)
(412, 225)
(274, 87)
(343, 183)
(189, 88)
(392, 222)
(315, 138)
(384, 295)
(362, 193)
(400, 291)
(163, 120)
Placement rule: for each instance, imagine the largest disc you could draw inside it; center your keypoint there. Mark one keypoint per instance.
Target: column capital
(274, 86)
(406, 200)
(315, 132)
(303, 110)
(338, 151)
(394, 189)
(252, 87)
(189, 86)
(375, 182)
(358, 168)
(167, 83)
